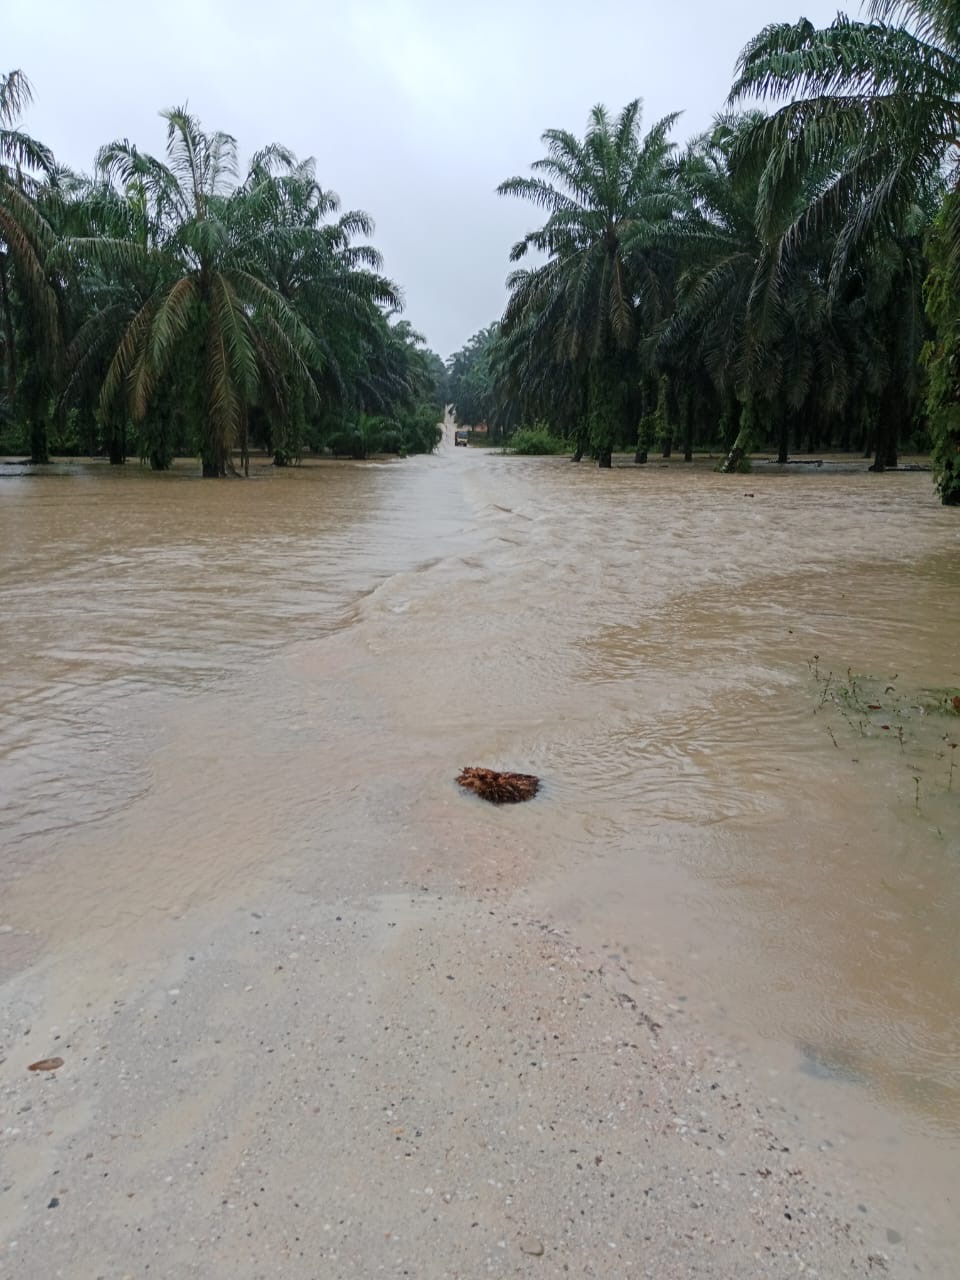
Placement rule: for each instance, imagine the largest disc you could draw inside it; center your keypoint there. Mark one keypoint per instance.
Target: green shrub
(537, 440)
(347, 444)
(420, 428)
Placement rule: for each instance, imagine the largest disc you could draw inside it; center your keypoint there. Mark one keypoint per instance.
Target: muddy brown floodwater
(734, 690)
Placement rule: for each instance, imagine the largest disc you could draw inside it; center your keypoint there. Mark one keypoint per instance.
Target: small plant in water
(895, 713)
(826, 688)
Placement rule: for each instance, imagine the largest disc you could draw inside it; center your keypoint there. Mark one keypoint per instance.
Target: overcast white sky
(414, 109)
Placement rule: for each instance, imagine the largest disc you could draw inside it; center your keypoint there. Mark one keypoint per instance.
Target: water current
(736, 690)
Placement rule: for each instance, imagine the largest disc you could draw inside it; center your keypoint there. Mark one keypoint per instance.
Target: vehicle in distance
(461, 438)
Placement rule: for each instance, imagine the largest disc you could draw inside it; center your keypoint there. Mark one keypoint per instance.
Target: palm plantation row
(165, 306)
(786, 280)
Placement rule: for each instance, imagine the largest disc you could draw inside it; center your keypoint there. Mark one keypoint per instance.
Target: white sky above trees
(414, 109)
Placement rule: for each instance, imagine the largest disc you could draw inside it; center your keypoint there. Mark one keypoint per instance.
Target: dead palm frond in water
(499, 788)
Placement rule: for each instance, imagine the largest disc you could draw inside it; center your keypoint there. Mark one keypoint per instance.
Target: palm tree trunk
(34, 396)
(737, 459)
(783, 449)
(643, 443)
(605, 410)
(886, 436)
(579, 443)
(214, 449)
(9, 340)
(245, 442)
(214, 446)
(648, 425)
(671, 409)
(116, 442)
(729, 424)
(39, 441)
(160, 428)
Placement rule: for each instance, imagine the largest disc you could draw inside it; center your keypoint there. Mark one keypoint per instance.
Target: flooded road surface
(736, 691)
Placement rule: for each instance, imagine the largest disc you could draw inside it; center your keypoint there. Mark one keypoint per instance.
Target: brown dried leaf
(46, 1064)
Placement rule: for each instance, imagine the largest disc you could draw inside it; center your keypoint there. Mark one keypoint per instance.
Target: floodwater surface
(736, 690)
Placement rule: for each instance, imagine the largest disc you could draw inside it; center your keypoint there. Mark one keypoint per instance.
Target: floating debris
(499, 788)
(46, 1064)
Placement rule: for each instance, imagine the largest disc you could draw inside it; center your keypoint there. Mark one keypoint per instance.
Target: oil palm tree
(529, 382)
(335, 285)
(471, 378)
(105, 293)
(214, 320)
(941, 355)
(752, 310)
(28, 302)
(609, 198)
(876, 104)
(884, 301)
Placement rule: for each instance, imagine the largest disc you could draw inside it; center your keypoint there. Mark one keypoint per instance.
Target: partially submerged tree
(166, 305)
(876, 106)
(609, 199)
(29, 314)
(214, 311)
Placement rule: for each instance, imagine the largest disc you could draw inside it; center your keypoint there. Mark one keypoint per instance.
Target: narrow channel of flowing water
(733, 689)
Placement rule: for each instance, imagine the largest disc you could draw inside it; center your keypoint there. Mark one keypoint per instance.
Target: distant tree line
(170, 305)
(786, 281)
